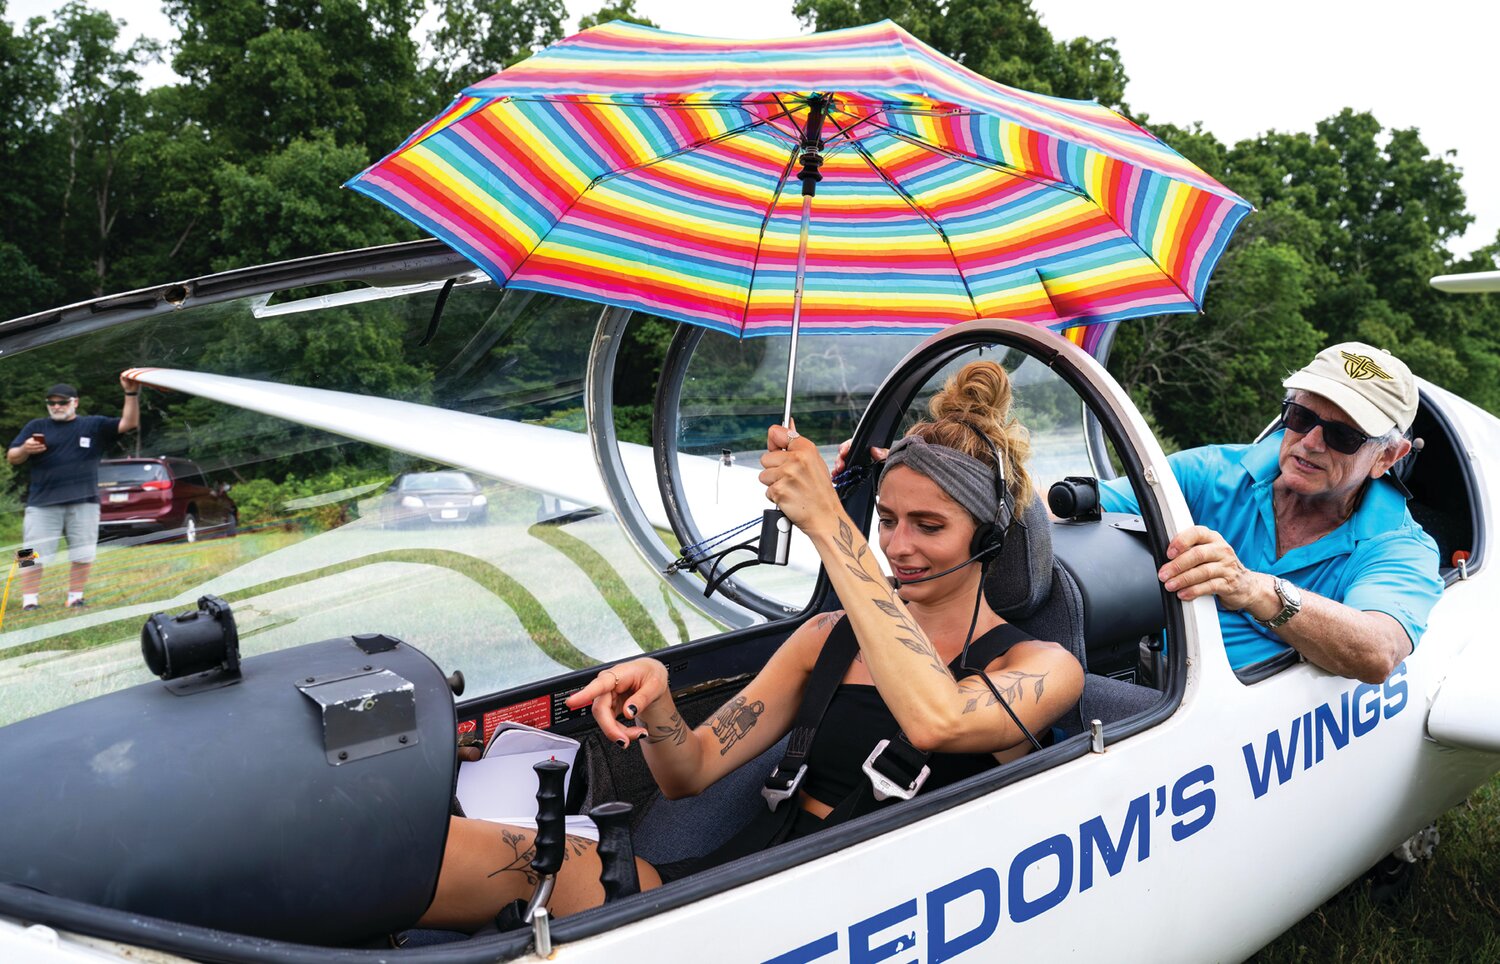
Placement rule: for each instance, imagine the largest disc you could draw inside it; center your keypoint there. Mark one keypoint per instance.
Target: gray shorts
(44, 526)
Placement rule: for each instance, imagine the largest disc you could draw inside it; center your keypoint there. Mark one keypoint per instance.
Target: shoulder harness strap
(833, 662)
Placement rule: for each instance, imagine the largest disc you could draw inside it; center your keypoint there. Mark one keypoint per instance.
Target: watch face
(1290, 593)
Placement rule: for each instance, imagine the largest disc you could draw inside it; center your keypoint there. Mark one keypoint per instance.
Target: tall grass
(1449, 911)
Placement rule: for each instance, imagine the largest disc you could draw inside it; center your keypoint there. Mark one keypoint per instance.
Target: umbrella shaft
(791, 360)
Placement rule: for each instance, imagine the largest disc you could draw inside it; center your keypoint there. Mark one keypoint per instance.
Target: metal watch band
(1291, 604)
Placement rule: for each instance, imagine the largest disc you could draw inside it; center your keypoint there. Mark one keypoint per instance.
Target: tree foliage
(109, 186)
(1002, 39)
(1352, 221)
(624, 10)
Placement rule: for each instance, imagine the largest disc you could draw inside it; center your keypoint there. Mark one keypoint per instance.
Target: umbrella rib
(685, 149)
(1062, 185)
(786, 173)
(906, 196)
(609, 102)
(978, 161)
(608, 175)
(1149, 256)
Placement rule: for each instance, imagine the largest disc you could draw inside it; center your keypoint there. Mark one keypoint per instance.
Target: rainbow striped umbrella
(660, 172)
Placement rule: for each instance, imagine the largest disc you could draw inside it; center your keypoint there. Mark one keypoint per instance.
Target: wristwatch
(1291, 603)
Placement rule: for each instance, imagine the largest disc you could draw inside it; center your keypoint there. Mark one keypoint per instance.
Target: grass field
(1451, 911)
(135, 574)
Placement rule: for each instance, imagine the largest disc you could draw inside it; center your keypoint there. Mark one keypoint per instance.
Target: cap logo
(1362, 367)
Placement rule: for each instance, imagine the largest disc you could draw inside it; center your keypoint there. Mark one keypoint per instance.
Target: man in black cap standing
(63, 451)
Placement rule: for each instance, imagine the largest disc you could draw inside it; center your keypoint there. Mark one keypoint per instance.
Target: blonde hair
(980, 394)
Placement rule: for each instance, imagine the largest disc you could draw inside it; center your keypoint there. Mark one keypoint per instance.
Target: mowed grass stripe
(528, 609)
(617, 595)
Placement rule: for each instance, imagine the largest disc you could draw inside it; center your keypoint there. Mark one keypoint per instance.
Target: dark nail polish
(631, 708)
(620, 744)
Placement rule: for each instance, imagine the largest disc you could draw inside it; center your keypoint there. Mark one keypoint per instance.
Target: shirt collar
(1381, 508)
(1262, 460)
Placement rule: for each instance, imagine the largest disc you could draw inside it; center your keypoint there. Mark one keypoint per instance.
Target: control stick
(617, 873)
(551, 830)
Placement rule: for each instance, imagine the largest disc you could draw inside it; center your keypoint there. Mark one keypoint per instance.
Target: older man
(63, 451)
(1300, 538)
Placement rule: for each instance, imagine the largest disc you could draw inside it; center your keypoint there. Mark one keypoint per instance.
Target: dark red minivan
(166, 495)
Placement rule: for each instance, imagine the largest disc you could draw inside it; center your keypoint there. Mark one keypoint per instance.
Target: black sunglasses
(1340, 436)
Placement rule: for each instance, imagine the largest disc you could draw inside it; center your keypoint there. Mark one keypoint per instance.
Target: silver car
(441, 498)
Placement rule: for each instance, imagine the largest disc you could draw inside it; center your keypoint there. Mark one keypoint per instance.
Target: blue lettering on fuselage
(1036, 879)
(1048, 872)
(1322, 731)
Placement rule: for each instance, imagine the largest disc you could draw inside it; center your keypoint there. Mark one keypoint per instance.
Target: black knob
(551, 824)
(1075, 497)
(456, 682)
(617, 871)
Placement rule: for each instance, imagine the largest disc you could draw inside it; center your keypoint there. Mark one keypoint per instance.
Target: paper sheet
(502, 785)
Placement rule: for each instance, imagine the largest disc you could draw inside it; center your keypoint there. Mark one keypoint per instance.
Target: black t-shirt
(68, 471)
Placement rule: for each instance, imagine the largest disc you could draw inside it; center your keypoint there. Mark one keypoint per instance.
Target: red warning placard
(535, 712)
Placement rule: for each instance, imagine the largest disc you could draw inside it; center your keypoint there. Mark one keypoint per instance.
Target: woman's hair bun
(979, 395)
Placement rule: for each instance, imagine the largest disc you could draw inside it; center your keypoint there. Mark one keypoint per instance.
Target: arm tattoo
(1010, 684)
(909, 634)
(734, 720)
(674, 730)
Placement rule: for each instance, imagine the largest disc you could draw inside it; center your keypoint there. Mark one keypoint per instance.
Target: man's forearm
(130, 413)
(1350, 642)
(15, 456)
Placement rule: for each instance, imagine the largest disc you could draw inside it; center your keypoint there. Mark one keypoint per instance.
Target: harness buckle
(779, 787)
(886, 788)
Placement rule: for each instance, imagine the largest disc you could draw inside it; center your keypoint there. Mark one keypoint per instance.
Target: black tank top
(857, 719)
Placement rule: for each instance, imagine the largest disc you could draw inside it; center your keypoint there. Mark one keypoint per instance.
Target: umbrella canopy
(658, 171)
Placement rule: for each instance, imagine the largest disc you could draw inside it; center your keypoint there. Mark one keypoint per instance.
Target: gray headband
(968, 481)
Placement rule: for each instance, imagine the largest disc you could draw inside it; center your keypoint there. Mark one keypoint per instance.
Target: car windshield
(438, 481)
(130, 473)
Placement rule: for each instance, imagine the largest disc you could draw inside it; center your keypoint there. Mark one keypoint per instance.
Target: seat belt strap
(833, 662)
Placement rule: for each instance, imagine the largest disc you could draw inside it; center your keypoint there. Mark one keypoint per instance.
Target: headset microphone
(982, 556)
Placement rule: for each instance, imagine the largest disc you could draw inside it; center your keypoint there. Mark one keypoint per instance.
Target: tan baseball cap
(1372, 385)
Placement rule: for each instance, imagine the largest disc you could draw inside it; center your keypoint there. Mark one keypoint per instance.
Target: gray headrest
(1021, 576)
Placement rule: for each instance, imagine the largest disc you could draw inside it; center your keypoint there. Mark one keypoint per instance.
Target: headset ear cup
(988, 538)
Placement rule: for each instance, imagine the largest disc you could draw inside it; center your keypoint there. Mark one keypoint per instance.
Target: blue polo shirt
(1379, 560)
(68, 471)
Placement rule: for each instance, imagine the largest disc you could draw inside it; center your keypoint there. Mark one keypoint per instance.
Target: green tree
(1352, 222)
(1001, 39)
(263, 73)
(624, 10)
(476, 38)
(289, 203)
(72, 100)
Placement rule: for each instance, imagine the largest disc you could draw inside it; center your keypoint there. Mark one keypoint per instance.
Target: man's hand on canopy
(1201, 563)
(841, 461)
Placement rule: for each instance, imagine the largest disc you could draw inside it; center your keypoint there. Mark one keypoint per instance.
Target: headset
(989, 537)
